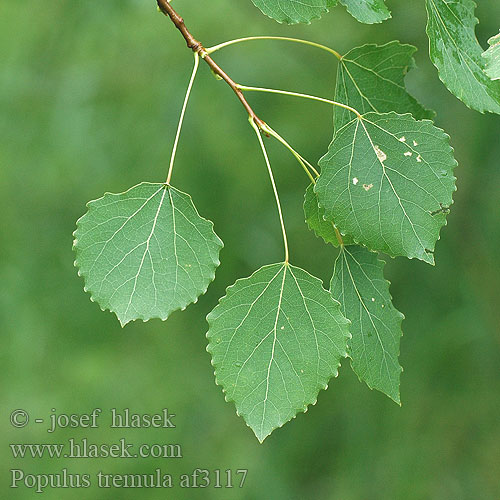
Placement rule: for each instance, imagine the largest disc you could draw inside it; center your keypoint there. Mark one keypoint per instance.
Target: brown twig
(198, 48)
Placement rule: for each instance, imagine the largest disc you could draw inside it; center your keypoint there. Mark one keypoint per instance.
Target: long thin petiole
(303, 162)
(297, 94)
(282, 38)
(181, 119)
(271, 176)
(268, 130)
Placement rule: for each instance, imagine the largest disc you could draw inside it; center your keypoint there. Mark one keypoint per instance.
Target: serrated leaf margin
(89, 206)
(320, 387)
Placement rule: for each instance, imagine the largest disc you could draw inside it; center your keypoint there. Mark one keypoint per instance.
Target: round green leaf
(387, 180)
(372, 78)
(146, 252)
(276, 339)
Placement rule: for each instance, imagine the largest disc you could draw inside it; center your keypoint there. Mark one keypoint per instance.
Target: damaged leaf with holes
(276, 339)
(146, 252)
(387, 180)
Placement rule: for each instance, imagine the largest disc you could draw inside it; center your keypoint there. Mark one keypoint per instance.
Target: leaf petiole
(183, 112)
(298, 94)
(215, 48)
(303, 162)
(273, 183)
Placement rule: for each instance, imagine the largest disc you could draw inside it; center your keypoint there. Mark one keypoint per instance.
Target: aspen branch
(199, 49)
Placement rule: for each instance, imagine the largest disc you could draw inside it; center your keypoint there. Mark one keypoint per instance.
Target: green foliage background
(90, 93)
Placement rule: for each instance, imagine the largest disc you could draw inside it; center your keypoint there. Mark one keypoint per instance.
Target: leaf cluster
(385, 186)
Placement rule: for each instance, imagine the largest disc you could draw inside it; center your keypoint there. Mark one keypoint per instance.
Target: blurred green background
(90, 93)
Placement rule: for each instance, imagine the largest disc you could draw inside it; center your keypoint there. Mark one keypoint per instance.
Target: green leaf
(371, 78)
(276, 339)
(367, 11)
(146, 252)
(387, 180)
(358, 283)
(456, 53)
(294, 11)
(492, 57)
(316, 222)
